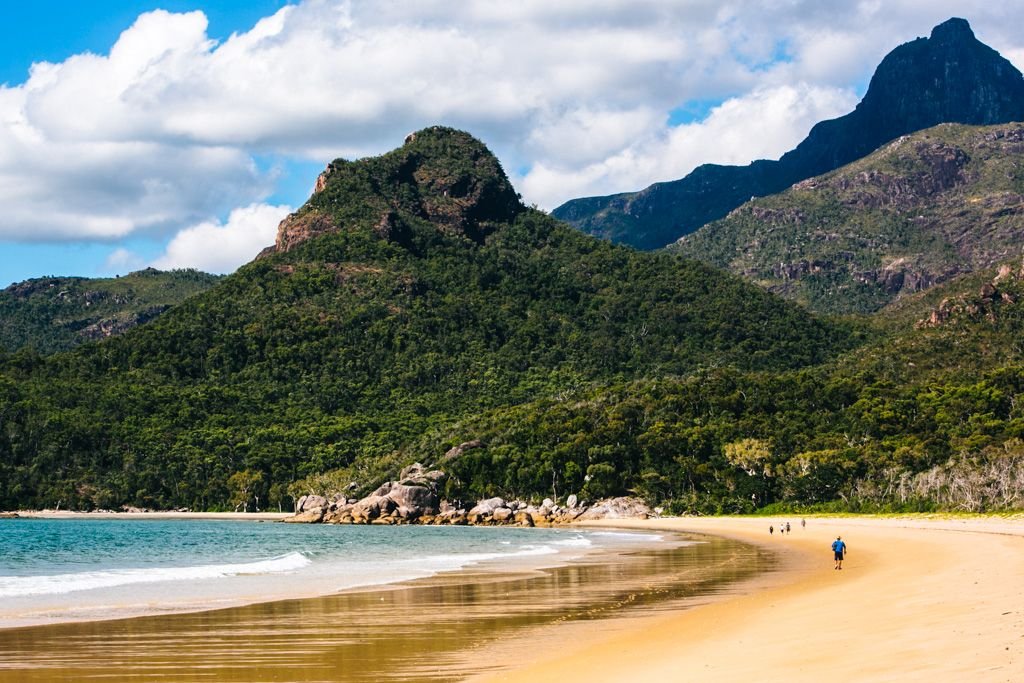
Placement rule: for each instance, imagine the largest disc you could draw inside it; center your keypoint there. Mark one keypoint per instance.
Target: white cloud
(222, 247)
(161, 132)
(762, 125)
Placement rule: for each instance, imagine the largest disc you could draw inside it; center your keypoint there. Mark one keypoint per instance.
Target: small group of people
(784, 527)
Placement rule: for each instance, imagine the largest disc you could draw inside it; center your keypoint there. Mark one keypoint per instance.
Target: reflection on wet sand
(423, 631)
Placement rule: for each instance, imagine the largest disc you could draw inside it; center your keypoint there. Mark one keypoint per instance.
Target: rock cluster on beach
(414, 499)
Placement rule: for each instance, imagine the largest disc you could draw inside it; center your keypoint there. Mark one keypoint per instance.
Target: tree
(244, 487)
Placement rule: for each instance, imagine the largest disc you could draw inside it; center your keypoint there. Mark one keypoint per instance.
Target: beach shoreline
(431, 629)
(919, 598)
(494, 568)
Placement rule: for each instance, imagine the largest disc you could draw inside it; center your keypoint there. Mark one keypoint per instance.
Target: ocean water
(55, 570)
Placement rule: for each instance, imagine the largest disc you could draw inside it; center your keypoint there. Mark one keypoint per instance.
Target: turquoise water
(61, 570)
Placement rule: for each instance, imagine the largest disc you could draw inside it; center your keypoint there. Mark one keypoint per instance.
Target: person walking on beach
(839, 551)
(787, 527)
(803, 523)
(771, 530)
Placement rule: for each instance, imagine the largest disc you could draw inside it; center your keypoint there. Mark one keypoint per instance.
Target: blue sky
(52, 31)
(178, 134)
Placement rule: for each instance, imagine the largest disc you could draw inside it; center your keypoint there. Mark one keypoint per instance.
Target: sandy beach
(918, 599)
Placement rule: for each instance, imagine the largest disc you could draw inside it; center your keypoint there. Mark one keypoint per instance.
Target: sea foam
(55, 584)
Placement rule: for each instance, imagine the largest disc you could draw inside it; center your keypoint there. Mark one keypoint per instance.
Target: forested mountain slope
(58, 313)
(920, 211)
(412, 290)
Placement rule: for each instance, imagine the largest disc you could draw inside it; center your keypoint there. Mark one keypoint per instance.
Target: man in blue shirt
(839, 550)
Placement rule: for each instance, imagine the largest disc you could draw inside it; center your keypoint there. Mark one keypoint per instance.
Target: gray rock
(313, 516)
(456, 451)
(502, 515)
(487, 507)
(571, 501)
(418, 475)
(313, 502)
(617, 508)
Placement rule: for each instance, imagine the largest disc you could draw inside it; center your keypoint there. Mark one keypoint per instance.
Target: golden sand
(917, 600)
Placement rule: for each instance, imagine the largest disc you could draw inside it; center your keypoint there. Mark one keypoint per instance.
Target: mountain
(411, 291)
(919, 211)
(949, 77)
(58, 313)
(927, 414)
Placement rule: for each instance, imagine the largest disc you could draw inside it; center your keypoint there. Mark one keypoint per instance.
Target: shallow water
(435, 629)
(55, 570)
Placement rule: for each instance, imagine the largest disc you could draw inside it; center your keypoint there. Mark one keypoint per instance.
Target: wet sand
(917, 600)
(445, 628)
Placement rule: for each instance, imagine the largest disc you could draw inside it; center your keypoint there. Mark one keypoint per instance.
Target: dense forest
(414, 304)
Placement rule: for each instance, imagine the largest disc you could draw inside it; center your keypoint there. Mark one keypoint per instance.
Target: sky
(178, 133)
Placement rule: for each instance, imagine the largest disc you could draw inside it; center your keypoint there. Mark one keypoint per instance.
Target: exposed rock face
(297, 228)
(110, 327)
(949, 77)
(989, 304)
(440, 175)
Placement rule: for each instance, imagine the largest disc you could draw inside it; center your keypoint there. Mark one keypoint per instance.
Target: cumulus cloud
(762, 125)
(222, 247)
(161, 133)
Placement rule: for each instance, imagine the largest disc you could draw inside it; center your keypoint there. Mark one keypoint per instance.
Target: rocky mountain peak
(440, 175)
(952, 30)
(950, 77)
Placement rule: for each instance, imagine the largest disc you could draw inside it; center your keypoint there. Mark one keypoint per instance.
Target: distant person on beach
(771, 530)
(839, 551)
(787, 527)
(803, 523)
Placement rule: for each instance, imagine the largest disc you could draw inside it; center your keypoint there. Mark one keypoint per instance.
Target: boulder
(571, 501)
(502, 515)
(456, 451)
(310, 502)
(487, 507)
(314, 516)
(567, 516)
(338, 514)
(367, 509)
(415, 500)
(523, 518)
(418, 475)
(617, 508)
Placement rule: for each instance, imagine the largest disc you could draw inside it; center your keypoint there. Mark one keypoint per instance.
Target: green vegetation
(915, 213)
(409, 308)
(431, 296)
(58, 313)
